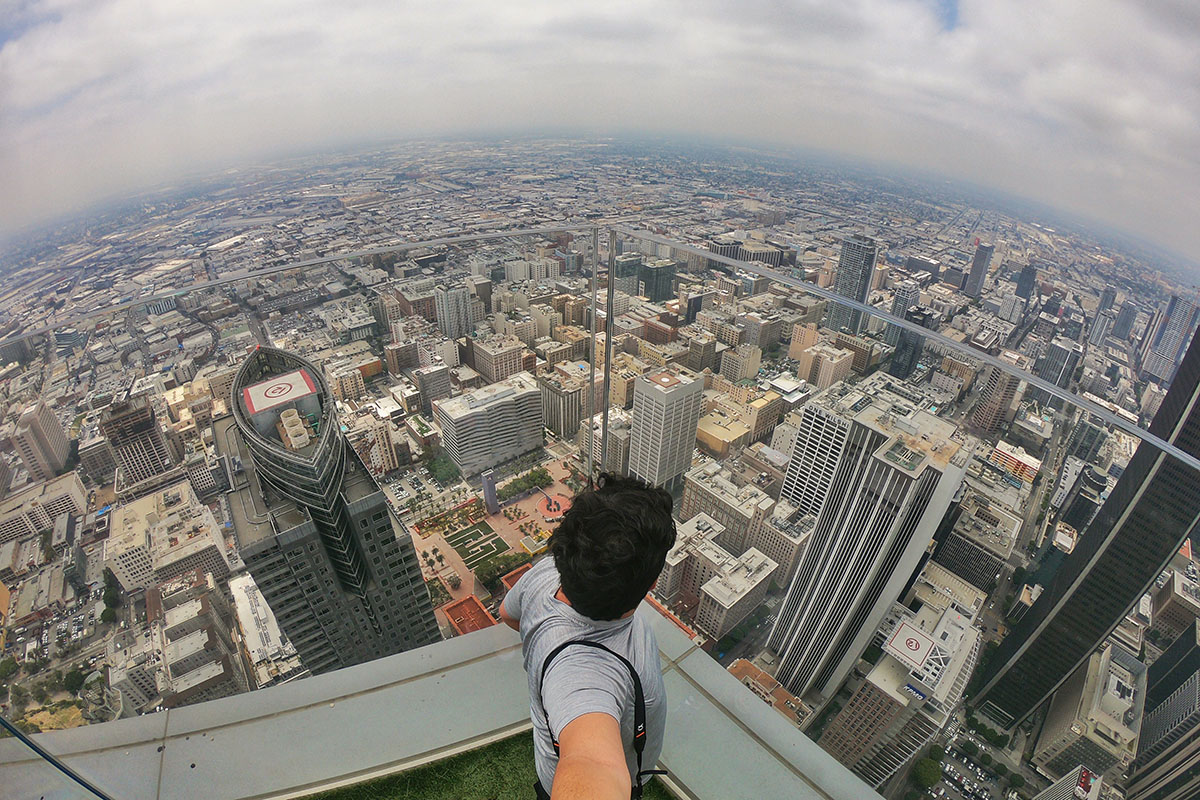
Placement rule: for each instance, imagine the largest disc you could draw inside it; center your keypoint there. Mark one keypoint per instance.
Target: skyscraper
(131, 427)
(563, 403)
(1169, 747)
(1107, 297)
(879, 474)
(1125, 319)
(1153, 507)
(1026, 281)
(655, 279)
(979, 269)
(1057, 365)
(910, 345)
(1095, 718)
(998, 393)
(907, 294)
(433, 382)
(41, 442)
(856, 267)
(336, 566)
(1078, 784)
(666, 412)
(625, 272)
(453, 308)
(1101, 326)
(1167, 347)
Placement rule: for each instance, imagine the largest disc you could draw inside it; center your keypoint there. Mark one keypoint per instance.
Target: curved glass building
(334, 563)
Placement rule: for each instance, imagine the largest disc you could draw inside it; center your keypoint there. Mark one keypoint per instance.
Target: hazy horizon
(1094, 111)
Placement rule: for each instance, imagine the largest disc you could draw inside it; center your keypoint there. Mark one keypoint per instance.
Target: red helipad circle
(277, 390)
(912, 644)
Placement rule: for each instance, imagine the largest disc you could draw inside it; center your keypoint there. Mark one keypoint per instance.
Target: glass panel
(30, 773)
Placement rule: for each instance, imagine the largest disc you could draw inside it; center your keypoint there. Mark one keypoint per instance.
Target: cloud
(1094, 107)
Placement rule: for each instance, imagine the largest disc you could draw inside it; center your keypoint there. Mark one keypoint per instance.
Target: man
(607, 553)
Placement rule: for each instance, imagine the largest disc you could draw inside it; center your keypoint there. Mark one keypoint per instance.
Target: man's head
(611, 545)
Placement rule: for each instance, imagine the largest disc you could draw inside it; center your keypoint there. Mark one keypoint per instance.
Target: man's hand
(508, 619)
(591, 760)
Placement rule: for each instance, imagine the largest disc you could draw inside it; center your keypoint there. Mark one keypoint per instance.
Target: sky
(1090, 106)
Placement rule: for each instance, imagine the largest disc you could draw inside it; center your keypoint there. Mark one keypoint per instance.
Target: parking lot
(964, 778)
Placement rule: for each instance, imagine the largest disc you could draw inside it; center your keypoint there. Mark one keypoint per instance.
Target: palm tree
(441, 559)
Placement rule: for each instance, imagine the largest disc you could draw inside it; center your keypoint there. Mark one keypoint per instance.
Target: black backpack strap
(639, 708)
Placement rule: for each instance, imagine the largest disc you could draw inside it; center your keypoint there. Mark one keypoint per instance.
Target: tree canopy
(926, 773)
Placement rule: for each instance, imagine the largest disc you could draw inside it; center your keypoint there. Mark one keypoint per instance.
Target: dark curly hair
(611, 545)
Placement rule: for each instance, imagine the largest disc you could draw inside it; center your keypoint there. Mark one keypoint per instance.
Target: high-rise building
(1102, 325)
(1095, 717)
(666, 413)
(823, 365)
(1142, 524)
(878, 474)
(162, 536)
(1107, 297)
(1078, 784)
(1170, 340)
(453, 308)
(1177, 664)
(856, 268)
(1169, 747)
(1057, 365)
(489, 426)
(1026, 281)
(1087, 438)
(132, 428)
(911, 692)
(979, 545)
(41, 442)
(563, 403)
(625, 272)
(723, 587)
(741, 362)
(655, 279)
(620, 426)
(1125, 319)
(910, 345)
(336, 566)
(907, 294)
(498, 357)
(979, 270)
(998, 395)
(433, 382)
(702, 352)
(804, 336)
(741, 510)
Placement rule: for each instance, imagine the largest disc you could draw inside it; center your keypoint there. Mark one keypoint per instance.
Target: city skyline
(910, 84)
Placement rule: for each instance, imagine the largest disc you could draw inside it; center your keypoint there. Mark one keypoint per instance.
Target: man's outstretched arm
(591, 760)
(509, 619)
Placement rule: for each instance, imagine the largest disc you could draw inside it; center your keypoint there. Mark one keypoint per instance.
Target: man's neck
(563, 598)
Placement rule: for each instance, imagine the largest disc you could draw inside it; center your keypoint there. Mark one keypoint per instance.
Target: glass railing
(1015, 465)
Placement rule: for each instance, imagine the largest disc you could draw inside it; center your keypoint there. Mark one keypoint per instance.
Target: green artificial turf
(499, 771)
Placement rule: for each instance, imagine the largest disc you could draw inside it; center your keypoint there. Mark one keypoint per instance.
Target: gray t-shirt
(582, 680)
